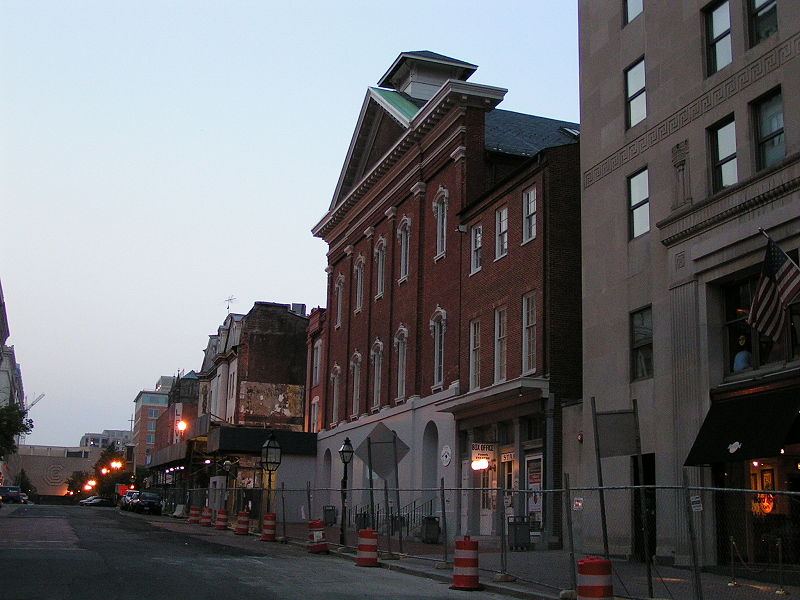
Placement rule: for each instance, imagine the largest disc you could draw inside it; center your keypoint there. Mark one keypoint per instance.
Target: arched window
(377, 369)
(401, 347)
(313, 419)
(440, 211)
(355, 367)
(404, 239)
(316, 362)
(358, 277)
(380, 266)
(438, 325)
(339, 292)
(336, 373)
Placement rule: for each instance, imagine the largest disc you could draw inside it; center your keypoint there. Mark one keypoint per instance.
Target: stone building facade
(691, 115)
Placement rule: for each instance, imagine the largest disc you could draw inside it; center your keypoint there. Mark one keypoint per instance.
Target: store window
(746, 349)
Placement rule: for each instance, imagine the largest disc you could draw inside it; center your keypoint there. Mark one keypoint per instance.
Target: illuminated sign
(482, 456)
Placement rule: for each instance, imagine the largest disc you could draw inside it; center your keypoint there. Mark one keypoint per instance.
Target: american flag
(777, 287)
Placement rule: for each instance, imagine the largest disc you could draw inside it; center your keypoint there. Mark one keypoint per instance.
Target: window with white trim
(500, 343)
(401, 345)
(474, 354)
(316, 362)
(440, 211)
(358, 276)
(528, 215)
(339, 292)
(380, 266)
(404, 238)
(438, 325)
(501, 232)
(476, 251)
(313, 419)
(355, 368)
(377, 370)
(335, 385)
(529, 333)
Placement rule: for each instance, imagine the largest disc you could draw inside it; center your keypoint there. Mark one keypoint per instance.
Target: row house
(251, 384)
(693, 112)
(453, 312)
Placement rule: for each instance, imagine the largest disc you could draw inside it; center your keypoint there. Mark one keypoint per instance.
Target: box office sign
(483, 451)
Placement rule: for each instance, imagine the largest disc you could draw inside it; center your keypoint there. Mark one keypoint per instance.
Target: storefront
(751, 439)
(508, 456)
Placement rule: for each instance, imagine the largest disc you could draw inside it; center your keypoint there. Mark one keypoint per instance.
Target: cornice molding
(730, 203)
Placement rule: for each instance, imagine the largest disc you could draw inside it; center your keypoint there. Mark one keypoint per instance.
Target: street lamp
(346, 454)
(181, 427)
(270, 461)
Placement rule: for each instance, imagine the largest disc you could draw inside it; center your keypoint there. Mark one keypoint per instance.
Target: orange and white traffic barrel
(367, 552)
(465, 565)
(268, 527)
(222, 519)
(194, 515)
(316, 537)
(594, 579)
(205, 517)
(242, 523)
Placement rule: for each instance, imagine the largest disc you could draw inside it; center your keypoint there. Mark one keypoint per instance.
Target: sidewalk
(536, 575)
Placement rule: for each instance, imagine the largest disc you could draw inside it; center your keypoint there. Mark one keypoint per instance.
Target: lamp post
(346, 454)
(270, 461)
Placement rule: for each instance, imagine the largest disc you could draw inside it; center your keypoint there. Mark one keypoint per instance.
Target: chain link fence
(663, 542)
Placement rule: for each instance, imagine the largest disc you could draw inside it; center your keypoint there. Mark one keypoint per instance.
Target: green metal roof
(399, 101)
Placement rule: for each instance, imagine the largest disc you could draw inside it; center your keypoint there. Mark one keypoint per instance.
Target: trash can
(329, 515)
(519, 533)
(430, 530)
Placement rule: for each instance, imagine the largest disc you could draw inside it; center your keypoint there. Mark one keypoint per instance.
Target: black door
(646, 477)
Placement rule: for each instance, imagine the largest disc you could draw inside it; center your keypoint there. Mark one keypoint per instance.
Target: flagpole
(766, 235)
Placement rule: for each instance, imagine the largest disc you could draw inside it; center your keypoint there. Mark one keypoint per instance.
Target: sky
(158, 157)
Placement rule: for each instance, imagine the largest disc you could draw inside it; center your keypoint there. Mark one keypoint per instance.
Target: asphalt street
(71, 553)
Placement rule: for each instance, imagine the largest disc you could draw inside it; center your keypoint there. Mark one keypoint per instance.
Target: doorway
(646, 477)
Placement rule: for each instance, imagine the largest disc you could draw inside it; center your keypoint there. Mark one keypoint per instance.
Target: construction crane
(32, 404)
(27, 408)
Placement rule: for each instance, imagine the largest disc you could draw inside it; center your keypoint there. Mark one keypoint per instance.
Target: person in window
(743, 359)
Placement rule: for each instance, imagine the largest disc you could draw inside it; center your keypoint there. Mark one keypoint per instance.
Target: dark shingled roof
(525, 135)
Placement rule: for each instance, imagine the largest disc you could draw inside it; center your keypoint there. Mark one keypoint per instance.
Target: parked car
(97, 501)
(11, 494)
(127, 499)
(147, 502)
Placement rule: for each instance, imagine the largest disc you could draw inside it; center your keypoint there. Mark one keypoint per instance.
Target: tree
(14, 421)
(24, 483)
(106, 475)
(76, 481)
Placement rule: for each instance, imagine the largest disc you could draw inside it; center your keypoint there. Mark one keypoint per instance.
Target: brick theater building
(453, 313)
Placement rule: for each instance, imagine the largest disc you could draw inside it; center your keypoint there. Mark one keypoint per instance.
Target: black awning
(745, 427)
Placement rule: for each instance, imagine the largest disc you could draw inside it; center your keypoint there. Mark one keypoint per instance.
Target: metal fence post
(573, 576)
(444, 522)
(698, 585)
(283, 508)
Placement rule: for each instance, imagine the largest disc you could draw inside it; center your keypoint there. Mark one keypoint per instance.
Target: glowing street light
(104, 471)
(116, 464)
(91, 483)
